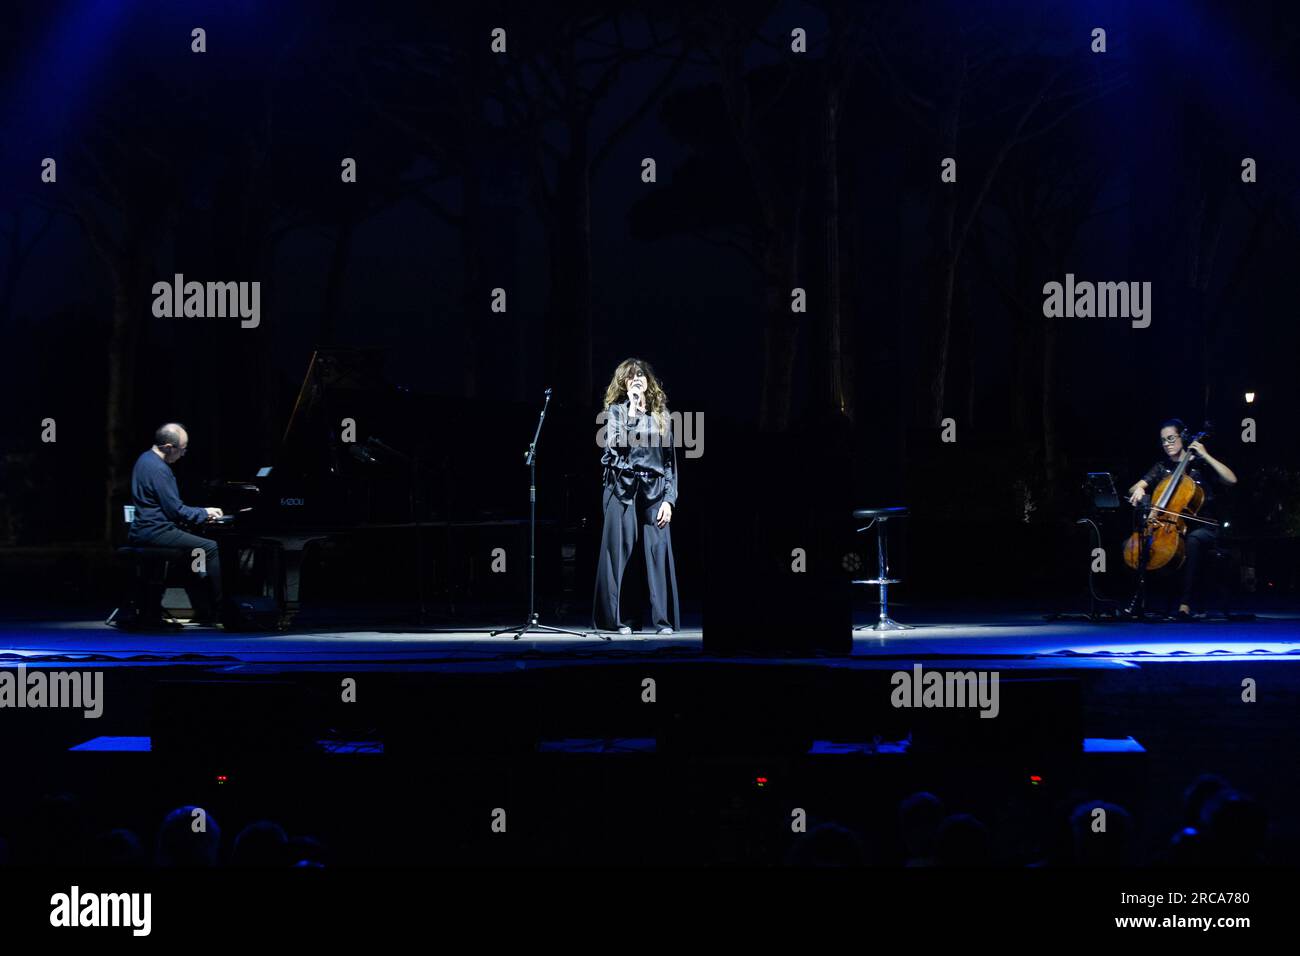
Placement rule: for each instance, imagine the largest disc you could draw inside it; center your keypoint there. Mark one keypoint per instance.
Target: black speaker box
(778, 529)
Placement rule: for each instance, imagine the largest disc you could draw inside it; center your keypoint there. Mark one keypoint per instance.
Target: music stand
(1100, 498)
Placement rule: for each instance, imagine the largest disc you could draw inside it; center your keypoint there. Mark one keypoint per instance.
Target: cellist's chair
(879, 517)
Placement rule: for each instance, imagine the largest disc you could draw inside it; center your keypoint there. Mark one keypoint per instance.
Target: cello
(1174, 502)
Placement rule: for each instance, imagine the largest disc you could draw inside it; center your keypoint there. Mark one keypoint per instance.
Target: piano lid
(414, 452)
(331, 371)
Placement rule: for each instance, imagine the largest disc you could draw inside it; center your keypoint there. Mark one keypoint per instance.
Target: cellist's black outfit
(640, 465)
(1200, 538)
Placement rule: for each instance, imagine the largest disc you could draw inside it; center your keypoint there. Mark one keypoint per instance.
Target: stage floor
(1021, 638)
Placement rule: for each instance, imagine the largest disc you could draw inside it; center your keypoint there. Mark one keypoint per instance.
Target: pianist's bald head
(170, 441)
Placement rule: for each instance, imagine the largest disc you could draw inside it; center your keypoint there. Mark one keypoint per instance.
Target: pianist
(159, 513)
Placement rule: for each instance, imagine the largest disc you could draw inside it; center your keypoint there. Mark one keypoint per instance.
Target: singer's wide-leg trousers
(624, 522)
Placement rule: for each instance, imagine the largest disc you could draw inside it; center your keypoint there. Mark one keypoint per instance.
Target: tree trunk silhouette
(20, 250)
(474, 291)
(780, 331)
(568, 309)
(130, 280)
(335, 275)
(777, 235)
(831, 343)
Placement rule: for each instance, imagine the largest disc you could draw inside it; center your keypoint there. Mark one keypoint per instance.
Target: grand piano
(398, 500)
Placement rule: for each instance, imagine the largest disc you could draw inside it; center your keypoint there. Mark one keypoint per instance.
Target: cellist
(1208, 472)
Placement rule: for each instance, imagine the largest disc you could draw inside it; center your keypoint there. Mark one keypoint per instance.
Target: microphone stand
(530, 458)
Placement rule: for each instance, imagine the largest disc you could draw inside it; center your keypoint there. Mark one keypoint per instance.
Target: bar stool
(879, 517)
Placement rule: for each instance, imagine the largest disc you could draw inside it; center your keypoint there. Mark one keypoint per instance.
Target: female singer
(640, 493)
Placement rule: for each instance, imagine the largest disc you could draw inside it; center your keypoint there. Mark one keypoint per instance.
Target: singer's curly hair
(656, 399)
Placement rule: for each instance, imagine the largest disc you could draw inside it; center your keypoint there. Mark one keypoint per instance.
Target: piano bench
(147, 566)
